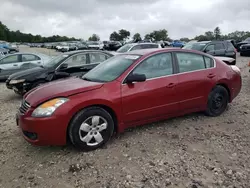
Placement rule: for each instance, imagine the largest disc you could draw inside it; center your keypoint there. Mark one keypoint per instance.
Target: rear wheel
(91, 128)
(217, 101)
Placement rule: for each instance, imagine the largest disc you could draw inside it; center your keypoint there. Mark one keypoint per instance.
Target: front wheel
(91, 128)
(217, 101)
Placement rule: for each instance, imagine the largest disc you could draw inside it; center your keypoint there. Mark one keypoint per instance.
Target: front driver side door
(154, 97)
(75, 65)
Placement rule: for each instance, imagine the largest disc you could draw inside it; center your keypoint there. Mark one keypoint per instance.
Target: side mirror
(136, 78)
(63, 66)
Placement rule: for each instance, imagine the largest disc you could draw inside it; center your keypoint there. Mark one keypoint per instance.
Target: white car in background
(137, 46)
(95, 45)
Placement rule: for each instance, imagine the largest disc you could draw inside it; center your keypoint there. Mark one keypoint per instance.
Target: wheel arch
(226, 87)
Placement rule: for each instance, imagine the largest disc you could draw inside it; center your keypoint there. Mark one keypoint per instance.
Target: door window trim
(142, 60)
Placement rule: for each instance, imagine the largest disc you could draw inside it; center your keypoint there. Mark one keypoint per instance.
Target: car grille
(24, 107)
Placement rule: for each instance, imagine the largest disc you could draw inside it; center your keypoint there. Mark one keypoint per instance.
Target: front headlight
(47, 109)
(17, 81)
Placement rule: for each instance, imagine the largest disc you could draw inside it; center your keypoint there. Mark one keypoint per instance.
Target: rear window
(230, 46)
(219, 46)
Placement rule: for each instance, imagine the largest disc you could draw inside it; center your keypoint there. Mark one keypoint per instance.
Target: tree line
(17, 36)
(120, 35)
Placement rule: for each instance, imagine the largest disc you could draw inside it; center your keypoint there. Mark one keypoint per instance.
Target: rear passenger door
(193, 80)
(30, 61)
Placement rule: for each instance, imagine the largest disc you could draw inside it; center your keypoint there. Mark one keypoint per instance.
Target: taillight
(236, 69)
(235, 50)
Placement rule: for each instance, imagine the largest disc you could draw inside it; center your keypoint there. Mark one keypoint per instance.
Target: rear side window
(219, 46)
(208, 62)
(29, 57)
(190, 62)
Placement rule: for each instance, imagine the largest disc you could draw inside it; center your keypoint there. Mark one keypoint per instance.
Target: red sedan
(127, 90)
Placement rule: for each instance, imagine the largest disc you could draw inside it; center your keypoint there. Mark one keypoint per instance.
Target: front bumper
(43, 131)
(19, 88)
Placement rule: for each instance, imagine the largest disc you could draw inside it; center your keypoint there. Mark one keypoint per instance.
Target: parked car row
(75, 63)
(86, 96)
(13, 63)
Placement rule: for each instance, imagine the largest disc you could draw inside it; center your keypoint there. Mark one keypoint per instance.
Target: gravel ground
(191, 151)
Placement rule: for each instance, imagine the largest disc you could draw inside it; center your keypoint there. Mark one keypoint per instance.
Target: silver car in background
(13, 63)
(137, 46)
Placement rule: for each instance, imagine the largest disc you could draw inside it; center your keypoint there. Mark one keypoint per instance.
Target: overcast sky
(82, 18)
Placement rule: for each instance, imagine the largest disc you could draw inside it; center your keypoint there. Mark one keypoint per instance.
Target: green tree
(94, 37)
(115, 36)
(209, 35)
(158, 35)
(124, 34)
(185, 39)
(217, 33)
(137, 36)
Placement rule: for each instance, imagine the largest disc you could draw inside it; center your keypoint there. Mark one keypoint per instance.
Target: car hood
(26, 74)
(61, 88)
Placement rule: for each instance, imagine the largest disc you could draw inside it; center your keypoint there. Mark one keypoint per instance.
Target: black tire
(241, 54)
(217, 101)
(82, 116)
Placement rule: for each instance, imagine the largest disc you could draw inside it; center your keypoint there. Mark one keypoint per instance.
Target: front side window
(124, 48)
(190, 62)
(76, 60)
(97, 57)
(10, 59)
(210, 48)
(155, 66)
(111, 69)
(29, 57)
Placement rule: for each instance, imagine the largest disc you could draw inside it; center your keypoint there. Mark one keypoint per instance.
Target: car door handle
(211, 75)
(15, 65)
(170, 85)
(38, 62)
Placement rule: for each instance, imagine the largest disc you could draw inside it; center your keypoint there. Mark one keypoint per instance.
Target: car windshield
(195, 46)
(111, 69)
(54, 61)
(125, 48)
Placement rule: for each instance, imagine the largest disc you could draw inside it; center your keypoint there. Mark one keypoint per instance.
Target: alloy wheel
(92, 129)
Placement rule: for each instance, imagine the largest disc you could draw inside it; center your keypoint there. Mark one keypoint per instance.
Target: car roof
(134, 44)
(143, 52)
(80, 51)
(33, 53)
